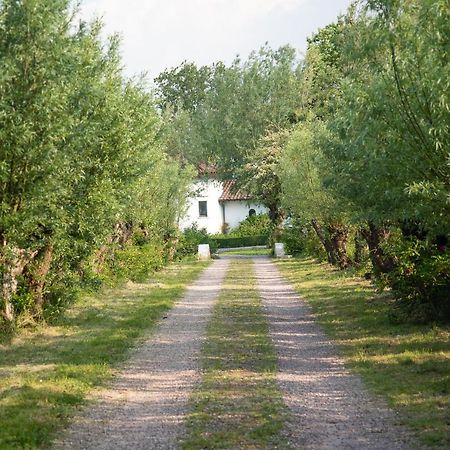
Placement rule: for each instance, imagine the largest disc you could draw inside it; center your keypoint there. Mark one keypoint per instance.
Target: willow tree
(36, 48)
(78, 144)
(304, 173)
(228, 109)
(304, 169)
(390, 158)
(393, 114)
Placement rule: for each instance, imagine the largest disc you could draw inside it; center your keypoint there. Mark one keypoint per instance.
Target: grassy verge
(45, 374)
(407, 364)
(237, 404)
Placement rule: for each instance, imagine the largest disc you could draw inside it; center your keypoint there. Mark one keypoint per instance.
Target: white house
(215, 205)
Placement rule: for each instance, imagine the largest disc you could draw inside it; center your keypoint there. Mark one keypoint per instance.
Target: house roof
(230, 193)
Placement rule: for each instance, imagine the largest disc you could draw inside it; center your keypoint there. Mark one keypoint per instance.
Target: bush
(256, 225)
(63, 291)
(420, 282)
(135, 262)
(294, 237)
(23, 299)
(190, 240)
(300, 238)
(240, 241)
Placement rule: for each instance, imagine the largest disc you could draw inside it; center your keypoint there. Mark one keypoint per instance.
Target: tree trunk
(14, 261)
(122, 233)
(277, 220)
(171, 243)
(37, 277)
(274, 213)
(338, 239)
(375, 236)
(325, 241)
(98, 260)
(359, 247)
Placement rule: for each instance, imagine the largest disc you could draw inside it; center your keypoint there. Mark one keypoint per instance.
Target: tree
(36, 49)
(392, 117)
(235, 107)
(259, 175)
(79, 145)
(303, 172)
(384, 106)
(183, 88)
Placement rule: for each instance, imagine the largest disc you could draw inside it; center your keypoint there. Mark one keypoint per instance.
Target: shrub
(240, 241)
(420, 282)
(135, 262)
(256, 225)
(64, 290)
(23, 299)
(300, 238)
(191, 238)
(294, 237)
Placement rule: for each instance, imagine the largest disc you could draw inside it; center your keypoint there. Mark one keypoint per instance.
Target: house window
(203, 209)
(251, 213)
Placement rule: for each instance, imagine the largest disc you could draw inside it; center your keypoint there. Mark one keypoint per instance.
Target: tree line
(351, 142)
(86, 183)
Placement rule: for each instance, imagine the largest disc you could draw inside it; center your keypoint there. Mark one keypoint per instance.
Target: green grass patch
(237, 404)
(408, 364)
(248, 251)
(47, 373)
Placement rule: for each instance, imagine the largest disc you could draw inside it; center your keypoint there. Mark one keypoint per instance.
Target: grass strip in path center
(237, 404)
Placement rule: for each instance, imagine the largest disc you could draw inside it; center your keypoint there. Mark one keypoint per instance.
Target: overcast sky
(160, 34)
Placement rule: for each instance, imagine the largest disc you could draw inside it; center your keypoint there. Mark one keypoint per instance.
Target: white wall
(208, 191)
(236, 211)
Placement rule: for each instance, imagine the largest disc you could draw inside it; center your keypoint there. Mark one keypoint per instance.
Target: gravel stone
(146, 405)
(329, 408)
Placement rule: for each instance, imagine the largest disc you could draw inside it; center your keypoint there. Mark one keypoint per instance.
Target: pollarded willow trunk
(14, 261)
(171, 241)
(37, 277)
(99, 258)
(121, 235)
(323, 238)
(359, 247)
(123, 232)
(375, 236)
(339, 233)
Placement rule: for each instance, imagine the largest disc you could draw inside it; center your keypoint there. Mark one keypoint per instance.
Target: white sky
(160, 34)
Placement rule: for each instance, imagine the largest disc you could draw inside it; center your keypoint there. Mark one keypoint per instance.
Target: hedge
(242, 241)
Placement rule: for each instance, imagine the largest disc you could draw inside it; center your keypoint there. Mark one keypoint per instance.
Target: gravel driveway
(146, 405)
(329, 407)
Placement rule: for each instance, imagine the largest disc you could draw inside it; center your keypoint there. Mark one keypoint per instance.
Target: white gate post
(204, 252)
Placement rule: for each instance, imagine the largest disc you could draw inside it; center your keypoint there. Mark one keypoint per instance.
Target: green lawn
(237, 405)
(47, 373)
(408, 364)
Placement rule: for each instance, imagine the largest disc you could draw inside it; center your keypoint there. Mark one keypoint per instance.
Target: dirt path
(146, 405)
(329, 407)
